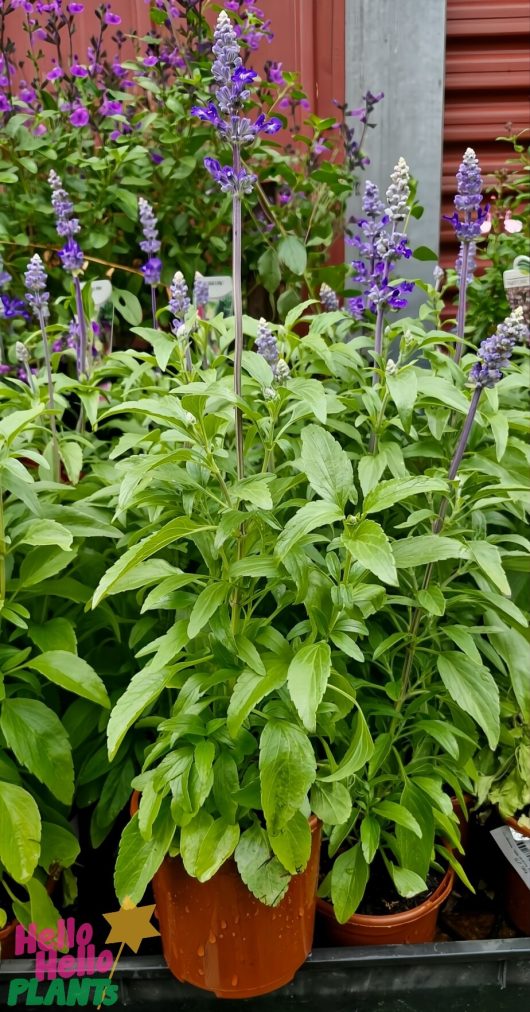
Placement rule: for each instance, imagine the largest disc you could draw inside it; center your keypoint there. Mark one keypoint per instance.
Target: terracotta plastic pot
(517, 894)
(219, 937)
(415, 925)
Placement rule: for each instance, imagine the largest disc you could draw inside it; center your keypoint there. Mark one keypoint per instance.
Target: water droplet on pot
(201, 973)
(301, 912)
(200, 950)
(186, 910)
(211, 938)
(237, 919)
(223, 925)
(234, 980)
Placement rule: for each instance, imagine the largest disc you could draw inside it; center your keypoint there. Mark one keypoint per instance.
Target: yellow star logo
(131, 924)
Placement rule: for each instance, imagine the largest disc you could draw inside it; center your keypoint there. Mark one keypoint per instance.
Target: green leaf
(20, 832)
(43, 562)
(254, 490)
(72, 673)
(331, 803)
(368, 544)
(474, 689)
(138, 859)
(45, 532)
(424, 253)
(225, 785)
(205, 844)
(370, 836)
(181, 527)
(143, 689)
(432, 600)
(370, 469)
(292, 845)
(489, 560)
(346, 645)
(12, 424)
(287, 769)
(441, 733)
(293, 254)
(312, 394)
(327, 466)
(398, 814)
(388, 493)
(415, 853)
(127, 305)
(307, 679)
(38, 739)
(357, 754)
(249, 690)
(425, 548)
(348, 882)
(307, 519)
(207, 603)
(59, 847)
(72, 454)
(500, 428)
(261, 872)
(162, 345)
(515, 650)
(57, 634)
(43, 913)
(269, 270)
(407, 882)
(403, 389)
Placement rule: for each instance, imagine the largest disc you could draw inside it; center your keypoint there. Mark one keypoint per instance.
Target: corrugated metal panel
(487, 89)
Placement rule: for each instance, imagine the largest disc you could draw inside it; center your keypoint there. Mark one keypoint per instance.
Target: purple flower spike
(67, 225)
(469, 180)
(494, 352)
(201, 291)
(150, 244)
(179, 302)
(35, 281)
(229, 180)
(72, 257)
(328, 298)
(266, 344)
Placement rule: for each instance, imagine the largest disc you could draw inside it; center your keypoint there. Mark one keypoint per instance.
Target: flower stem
(153, 306)
(462, 303)
(238, 310)
(51, 402)
(436, 529)
(82, 363)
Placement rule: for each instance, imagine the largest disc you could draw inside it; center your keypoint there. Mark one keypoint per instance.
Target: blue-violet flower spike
(35, 281)
(328, 298)
(494, 352)
(201, 291)
(179, 302)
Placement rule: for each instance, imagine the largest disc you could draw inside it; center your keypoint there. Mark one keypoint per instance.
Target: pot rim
(435, 900)
(523, 830)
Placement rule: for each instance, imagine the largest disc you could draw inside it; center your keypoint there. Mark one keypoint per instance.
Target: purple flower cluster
(328, 298)
(253, 28)
(231, 91)
(36, 294)
(266, 344)
(380, 246)
(468, 199)
(471, 262)
(179, 302)
(150, 244)
(494, 352)
(67, 225)
(201, 291)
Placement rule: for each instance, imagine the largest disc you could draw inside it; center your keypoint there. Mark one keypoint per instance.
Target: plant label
(516, 848)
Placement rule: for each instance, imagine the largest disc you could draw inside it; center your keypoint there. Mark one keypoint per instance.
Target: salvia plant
(278, 567)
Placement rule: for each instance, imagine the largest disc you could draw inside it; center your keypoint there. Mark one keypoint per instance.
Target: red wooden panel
(487, 89)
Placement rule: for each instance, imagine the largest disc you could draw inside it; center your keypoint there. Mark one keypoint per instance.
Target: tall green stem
(83, 365)
(238, 309)
(436, 529)
(462, 300)
(51, 400)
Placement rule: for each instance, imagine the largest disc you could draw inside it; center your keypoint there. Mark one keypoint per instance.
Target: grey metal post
(398, 46)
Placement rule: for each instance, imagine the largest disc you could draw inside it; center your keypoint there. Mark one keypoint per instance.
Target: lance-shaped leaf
(287, 770)
(327, 466)
(368, 544)
(307, 679)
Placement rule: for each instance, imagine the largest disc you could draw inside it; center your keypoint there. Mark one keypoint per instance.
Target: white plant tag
(516, 848)
(219, 286)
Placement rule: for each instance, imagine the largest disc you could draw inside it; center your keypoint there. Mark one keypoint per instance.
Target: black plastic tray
(481, 976)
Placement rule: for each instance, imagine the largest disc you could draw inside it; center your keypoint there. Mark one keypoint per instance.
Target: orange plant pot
(415, 925)
(219, 937)
(517, 894)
